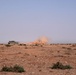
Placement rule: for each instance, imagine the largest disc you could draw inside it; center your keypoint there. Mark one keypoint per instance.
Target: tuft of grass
(59, 65)
(67, 67)
(6, 69)
(16, 68)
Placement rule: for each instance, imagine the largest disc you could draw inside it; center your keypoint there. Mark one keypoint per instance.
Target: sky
(27, 20)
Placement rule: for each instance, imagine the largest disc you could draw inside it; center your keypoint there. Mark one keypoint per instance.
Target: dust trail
(39, 41)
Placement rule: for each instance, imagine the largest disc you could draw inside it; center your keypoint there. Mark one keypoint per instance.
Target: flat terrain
(36, 60)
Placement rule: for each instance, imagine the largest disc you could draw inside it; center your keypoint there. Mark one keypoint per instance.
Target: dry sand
(36, 60)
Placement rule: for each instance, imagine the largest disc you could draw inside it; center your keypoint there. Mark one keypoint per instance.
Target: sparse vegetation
(74, 45)
(36, 44)
(74, 49)
(68, 53)
(8, 45)
(59, 65)
(27, 55)
(69, 48)
(64, 47)
(16, 68)
(6, 69)
(22, 44)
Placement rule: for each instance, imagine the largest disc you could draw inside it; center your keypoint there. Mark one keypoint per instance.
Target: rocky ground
(36, 60)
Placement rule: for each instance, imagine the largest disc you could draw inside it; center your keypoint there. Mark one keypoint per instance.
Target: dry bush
(59, 65)
(16, 68)
(64, 47)
(68, 48)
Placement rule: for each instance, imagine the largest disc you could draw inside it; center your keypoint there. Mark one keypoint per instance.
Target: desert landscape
(37, 37)
(38, 59)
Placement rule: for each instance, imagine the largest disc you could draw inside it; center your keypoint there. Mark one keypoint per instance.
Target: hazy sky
(26, 20)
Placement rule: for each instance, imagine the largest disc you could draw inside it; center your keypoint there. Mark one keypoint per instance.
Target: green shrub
(67, 67)
(59, 65)
(6, 69)
(16, 68)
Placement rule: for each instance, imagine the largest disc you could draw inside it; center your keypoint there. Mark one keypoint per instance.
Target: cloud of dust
(41, 40)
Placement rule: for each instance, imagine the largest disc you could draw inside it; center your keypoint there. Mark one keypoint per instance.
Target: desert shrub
(6, 69)
(75, 49)
(59, 65)
(36, 44)
(64, 47)
(22, 44)
(8, 45)
(74, 45)
(67, 67)
(41, 45)
(68, 53)
(69, 48)
(16, 68)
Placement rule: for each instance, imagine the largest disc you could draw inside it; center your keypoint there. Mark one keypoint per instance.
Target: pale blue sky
(26, 20)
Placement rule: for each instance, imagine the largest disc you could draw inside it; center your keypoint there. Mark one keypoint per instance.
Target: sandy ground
(36, 60)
